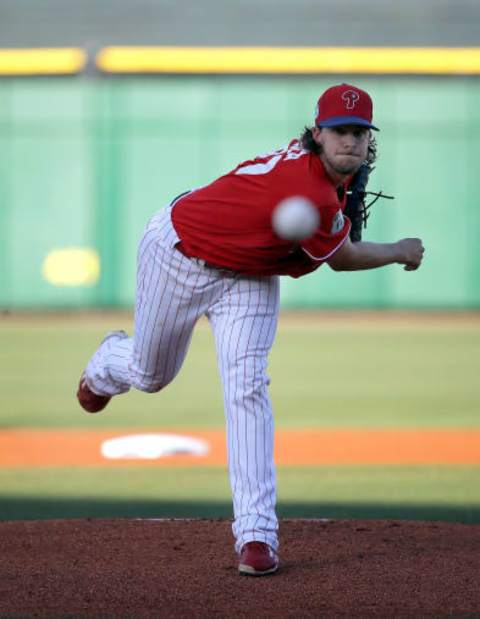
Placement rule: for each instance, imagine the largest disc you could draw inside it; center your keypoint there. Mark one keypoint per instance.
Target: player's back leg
(173, 291)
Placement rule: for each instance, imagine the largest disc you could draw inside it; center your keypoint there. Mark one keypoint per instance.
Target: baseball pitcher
(213, 252)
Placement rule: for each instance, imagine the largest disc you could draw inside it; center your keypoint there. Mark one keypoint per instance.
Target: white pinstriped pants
(173, 291)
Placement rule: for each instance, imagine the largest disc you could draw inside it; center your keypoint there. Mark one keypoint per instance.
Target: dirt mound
(187, 569)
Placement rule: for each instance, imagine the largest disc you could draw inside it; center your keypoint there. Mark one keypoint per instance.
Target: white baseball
(295, 218)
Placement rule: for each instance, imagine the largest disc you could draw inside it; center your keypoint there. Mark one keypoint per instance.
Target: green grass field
(345, 371)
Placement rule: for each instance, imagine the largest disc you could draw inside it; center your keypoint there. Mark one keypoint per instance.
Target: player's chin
(347, 165)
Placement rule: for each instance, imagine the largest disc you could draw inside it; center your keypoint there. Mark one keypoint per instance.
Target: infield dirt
(187, 569)
(20, 447)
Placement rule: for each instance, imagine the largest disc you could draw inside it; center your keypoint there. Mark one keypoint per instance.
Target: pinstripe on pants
(173, 292)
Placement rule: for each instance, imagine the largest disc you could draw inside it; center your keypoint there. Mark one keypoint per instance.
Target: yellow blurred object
(249, 60)
(42, 61)
(71, 266)
(371, 60)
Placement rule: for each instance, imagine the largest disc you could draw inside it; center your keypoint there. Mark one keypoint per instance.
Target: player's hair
(308, 143)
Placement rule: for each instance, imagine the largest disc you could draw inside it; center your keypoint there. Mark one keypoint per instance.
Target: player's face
(344, 148)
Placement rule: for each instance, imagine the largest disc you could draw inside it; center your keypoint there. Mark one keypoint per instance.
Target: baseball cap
(344, 105)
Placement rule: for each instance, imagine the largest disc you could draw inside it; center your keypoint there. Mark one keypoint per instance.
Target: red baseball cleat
(257, 559)
(89, 401)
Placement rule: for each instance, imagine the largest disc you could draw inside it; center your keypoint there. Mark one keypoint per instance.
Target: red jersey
(228, 222)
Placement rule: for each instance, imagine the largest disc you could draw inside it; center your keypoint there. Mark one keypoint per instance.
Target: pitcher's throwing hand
(411, 252)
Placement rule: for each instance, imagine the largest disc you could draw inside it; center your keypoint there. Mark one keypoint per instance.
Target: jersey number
(294, 152)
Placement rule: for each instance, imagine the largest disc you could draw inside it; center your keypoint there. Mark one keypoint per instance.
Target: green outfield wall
(85, 162)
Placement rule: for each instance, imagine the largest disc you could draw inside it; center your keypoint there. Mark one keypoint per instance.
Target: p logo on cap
(344, 105)
(350, 97)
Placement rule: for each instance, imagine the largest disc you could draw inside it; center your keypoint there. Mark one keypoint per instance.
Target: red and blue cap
(344, 105)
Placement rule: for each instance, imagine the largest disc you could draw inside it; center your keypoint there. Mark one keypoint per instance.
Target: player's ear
(316, 131)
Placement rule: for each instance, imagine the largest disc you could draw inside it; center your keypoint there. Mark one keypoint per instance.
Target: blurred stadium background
(90, 154)
(97, 132)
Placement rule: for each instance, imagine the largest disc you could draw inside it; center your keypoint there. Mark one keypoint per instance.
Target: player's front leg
(244, 323)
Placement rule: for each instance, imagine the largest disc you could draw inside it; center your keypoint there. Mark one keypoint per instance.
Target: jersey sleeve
(332, 232)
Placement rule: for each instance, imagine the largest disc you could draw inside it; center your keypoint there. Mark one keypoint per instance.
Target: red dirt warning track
(24, 448)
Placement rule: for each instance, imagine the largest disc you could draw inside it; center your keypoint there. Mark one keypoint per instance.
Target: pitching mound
(187, 568)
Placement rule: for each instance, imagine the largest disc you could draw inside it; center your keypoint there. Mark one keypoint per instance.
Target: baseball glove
(356, 208)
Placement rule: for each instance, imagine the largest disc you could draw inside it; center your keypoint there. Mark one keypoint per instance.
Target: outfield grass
(436, 493)
(325, 372)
